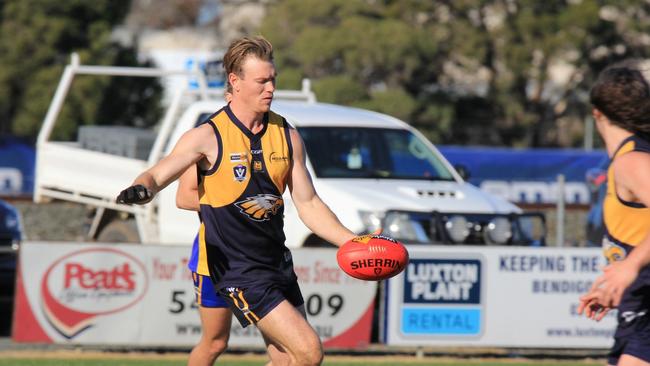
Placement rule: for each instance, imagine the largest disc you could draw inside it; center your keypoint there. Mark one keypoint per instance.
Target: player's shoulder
(277, 119)
(632, 165)
(218, 117)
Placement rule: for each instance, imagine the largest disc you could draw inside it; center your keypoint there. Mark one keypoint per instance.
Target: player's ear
(597, 114)
(233, 79)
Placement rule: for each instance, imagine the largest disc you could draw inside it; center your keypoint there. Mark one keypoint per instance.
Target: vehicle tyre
(315, 241)
(119, 231)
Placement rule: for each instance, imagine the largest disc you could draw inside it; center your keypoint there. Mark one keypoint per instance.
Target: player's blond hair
(239, 49)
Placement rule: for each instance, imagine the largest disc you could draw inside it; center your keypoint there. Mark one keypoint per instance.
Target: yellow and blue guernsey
(626, 225)
(241, 237)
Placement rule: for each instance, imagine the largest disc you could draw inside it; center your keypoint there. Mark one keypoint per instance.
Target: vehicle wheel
(119, 231)
(315, 241)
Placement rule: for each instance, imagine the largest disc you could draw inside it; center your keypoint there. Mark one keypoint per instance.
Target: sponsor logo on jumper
(256, 151)
(237, 157)
(260, 207)
(239, 171)
(278, 158)
(257, 165)
(85, 284)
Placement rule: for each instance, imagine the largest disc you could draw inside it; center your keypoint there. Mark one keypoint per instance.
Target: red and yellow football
(372, 257)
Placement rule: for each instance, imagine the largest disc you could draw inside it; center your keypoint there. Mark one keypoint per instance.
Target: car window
(351, 152)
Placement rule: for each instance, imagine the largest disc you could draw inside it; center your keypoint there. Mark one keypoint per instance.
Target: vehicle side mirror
(462, 171)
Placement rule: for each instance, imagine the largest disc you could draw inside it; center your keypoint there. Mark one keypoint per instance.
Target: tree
(357, 52)
(491, 72)
(36, 40)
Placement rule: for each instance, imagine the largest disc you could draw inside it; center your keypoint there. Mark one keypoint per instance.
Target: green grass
(158, 361)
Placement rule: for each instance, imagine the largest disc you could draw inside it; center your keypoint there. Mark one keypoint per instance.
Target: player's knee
(311, 354)
(217, 347)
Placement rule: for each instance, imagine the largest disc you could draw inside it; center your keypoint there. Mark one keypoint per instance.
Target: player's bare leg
(215, 324)
(627, 360)
(290, 339)
(276, 356)
(279, 356)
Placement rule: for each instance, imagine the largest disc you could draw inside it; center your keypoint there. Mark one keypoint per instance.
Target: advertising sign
(495, 296)
(16, 167)
(143, 295)
(528, 176)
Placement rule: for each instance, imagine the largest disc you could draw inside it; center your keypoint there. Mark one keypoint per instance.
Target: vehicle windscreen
(350, 152)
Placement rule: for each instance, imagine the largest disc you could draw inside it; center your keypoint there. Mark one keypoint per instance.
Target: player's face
(256, 84)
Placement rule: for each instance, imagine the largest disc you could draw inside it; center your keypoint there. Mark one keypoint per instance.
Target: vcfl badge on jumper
(239, 171)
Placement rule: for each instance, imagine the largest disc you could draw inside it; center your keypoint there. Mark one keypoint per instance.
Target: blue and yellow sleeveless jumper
(626, 225)
(241, 237)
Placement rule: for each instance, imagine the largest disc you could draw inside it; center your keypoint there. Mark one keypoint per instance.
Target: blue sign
(17, 162)
(443, 281)
(432, 289)
(527, 175)
(439, 321)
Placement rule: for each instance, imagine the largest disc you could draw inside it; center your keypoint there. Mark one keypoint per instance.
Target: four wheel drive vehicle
(11, 234)
(372, 170)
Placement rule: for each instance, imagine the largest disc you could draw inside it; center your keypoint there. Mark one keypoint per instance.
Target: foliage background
(469, 72)
(466, 71)
(36, 40)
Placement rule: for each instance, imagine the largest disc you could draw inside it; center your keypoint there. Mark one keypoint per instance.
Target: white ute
(372, 170)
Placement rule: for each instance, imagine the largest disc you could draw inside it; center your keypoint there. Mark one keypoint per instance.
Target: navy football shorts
(206, 296)
(635, 343)
(632, 335)
(253, 303)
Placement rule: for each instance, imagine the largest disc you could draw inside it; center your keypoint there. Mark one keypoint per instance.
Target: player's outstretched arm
(193, 146)
(316, 215)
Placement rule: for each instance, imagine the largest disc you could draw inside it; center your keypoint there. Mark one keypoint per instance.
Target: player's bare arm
(195, 146)
(316, 215)
(632, 176)
(187, 195)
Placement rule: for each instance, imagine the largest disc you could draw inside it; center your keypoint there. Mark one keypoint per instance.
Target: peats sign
(76, 288)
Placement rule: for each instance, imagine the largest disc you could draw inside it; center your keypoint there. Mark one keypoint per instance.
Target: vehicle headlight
(457, 228)
(498, 231)
(402, 226)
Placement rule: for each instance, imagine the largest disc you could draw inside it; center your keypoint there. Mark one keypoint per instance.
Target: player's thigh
(215, 322)
(286, 327)
(628, 360)
(214, 311)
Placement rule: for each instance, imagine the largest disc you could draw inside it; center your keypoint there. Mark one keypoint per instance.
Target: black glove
(134, 194)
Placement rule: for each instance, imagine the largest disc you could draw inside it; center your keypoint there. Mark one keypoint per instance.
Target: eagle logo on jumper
(613, 251)
(260, 207)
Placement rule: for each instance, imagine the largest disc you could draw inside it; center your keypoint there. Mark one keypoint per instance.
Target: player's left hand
(617, 277)
(590, 306)
(608, 288)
